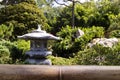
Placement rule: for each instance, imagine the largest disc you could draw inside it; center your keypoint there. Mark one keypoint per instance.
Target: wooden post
(39, 72)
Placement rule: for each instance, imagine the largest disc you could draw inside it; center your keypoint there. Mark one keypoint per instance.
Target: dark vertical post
(73, 15)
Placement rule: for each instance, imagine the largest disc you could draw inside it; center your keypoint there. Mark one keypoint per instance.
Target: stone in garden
(104, 42)
(79, 33)
(38, 46)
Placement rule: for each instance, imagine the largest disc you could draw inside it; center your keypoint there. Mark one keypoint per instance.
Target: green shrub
(5, 60)
(4, 55)
(62, 48)
(115, 33)
(9, 52)
(23, 45)
(4, 51)
(98, 55)
(6, 31)
(60, 60)
(69, 44)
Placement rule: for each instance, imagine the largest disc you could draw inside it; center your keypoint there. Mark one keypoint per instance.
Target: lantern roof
(39, 35)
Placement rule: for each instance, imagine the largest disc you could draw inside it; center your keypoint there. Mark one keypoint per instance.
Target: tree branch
(77, 2)
(61, 3)
(74, 1)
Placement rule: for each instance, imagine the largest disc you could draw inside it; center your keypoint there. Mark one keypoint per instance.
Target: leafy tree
(82, 15)
(50, 11)
(109, 15)
(23, 17)
(51, 15)
(44, 3)
(88, 14)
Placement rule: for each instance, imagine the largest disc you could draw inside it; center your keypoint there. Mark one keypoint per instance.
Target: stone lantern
(38, 46)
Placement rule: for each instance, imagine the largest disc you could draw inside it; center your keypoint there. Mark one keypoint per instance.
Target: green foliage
(4, 51)
(90, 33)
(98, 55)
(63, 47)
(6, 31)
(69, 44)
(114, 26)
(108, 12)
(51, 15)
(50, 12)
(102, 13)
(23, 16)
(11, 2)
(28, 1)
(44, 3)
(115, 33)
(4, 54)
(85, 16)
(9, 52)
(60, 60)
(23, 45)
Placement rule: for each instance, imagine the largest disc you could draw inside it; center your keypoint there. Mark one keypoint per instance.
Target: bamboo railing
(42, 72)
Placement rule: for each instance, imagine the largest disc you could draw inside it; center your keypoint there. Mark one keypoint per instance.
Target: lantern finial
(39, 28)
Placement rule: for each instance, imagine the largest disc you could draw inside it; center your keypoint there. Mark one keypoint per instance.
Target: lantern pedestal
(39, 61)
(38, 57)
(38, 54)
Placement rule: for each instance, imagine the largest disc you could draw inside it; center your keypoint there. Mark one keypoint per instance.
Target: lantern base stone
(39, 61)
(38, 53)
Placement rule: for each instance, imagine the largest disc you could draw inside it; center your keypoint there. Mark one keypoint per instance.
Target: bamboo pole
(38, 72)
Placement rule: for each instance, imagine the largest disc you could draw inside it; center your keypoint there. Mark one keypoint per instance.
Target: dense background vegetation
(97, 19)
